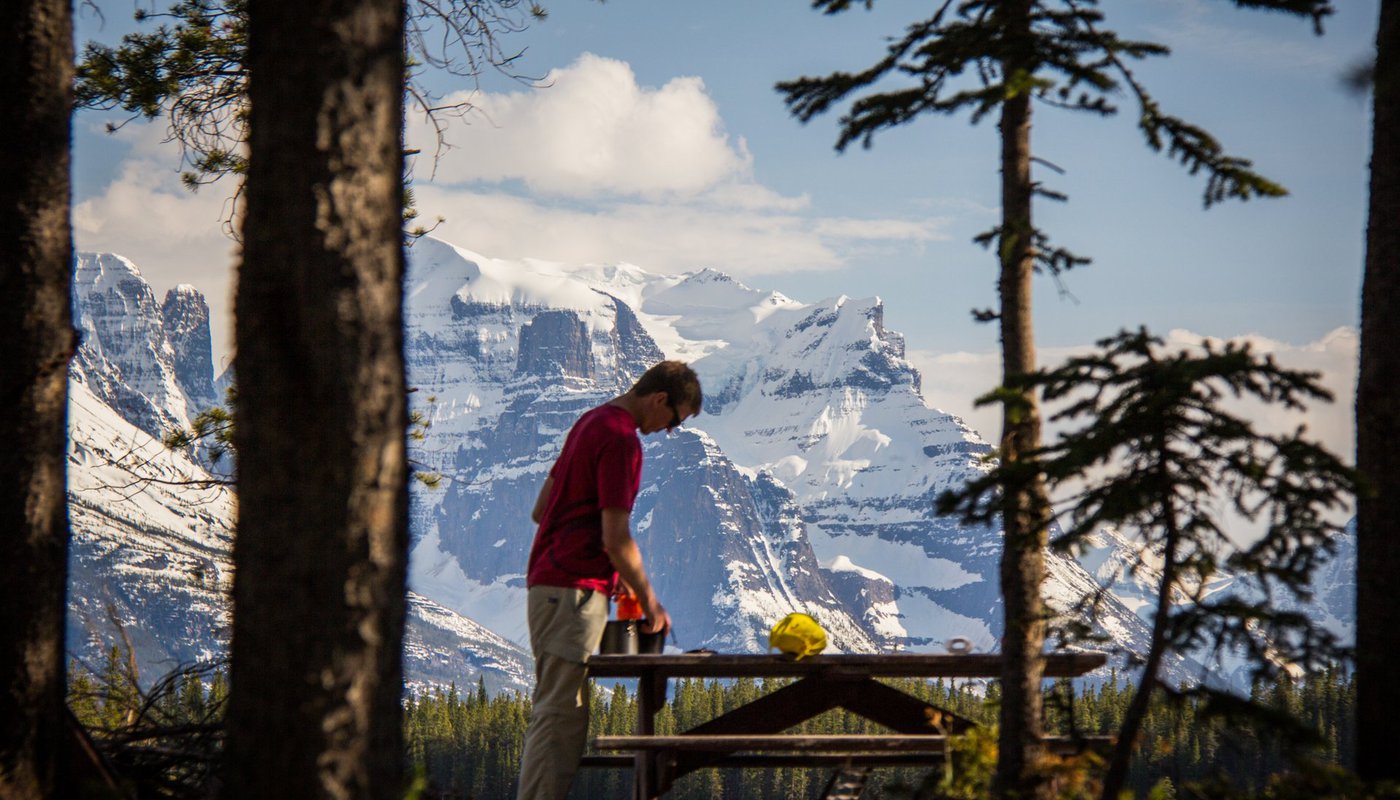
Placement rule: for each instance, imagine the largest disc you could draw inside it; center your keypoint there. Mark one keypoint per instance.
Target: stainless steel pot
(624, 637)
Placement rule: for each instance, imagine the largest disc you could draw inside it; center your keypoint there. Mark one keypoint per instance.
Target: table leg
(797, 702)
(900, 711)
(646, 784)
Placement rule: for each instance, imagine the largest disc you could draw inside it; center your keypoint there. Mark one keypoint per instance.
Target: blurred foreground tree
(36, 262)
(982, 56)
(321, 552)
(1159, 458)
(1378, 426)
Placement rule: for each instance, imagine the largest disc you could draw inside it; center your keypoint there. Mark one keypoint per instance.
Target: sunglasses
(675, 415)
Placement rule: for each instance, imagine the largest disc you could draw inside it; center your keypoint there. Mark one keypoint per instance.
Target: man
(582, 546)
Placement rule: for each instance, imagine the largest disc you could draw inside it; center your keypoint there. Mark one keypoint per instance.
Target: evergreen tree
(82, 696)
(121, 695)
(192, 705)
(1156, 457)
(218, 689)
(321, 552)
(36, 251)
(163, 741)
(1175, 743)
(1378, 425)
(1056, 52)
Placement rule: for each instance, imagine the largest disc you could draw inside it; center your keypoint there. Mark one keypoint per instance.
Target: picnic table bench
(752, 734)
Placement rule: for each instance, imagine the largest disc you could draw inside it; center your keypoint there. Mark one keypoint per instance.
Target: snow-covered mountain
(1334, 588)
(150, 556)
(1133, 573)
(807, 483)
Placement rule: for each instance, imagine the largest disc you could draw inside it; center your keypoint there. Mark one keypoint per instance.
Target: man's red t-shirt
(600, 467)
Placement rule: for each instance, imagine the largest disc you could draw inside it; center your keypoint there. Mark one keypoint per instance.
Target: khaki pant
(565, 628)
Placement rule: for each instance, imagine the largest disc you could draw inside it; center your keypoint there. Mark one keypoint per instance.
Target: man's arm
(538, 511)
(627, 560)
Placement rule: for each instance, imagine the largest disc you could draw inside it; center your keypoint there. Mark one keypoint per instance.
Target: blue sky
(656, 138)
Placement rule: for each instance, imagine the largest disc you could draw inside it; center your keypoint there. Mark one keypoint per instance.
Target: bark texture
(1026, 507)
(36, 259)
(321, 551)
(1378, 427)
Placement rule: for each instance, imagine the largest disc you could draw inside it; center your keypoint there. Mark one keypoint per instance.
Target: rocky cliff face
(151, 555)
(806, 485)
(554, 343)
(124, 355)
(185, 318)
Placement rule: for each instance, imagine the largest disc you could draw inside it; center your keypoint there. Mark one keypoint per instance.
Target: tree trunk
(321, 550)
(36, 263)
(1378, 427)
(1024, 520)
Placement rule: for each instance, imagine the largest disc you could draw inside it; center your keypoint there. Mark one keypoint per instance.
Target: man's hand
(657, 620)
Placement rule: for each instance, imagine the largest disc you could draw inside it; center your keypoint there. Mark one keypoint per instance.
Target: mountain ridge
(150, 557)
(807, 483)
(799, 399)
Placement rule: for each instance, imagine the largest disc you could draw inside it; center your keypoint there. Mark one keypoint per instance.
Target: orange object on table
(628, 606)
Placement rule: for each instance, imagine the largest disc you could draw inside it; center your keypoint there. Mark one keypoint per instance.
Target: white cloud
(1335, 356)
(951, 382)
(662, 237)
(753, 197)
(883, 229)
(593, 167)
(590, 129)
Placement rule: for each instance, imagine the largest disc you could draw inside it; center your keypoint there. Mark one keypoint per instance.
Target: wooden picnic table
(751, 735)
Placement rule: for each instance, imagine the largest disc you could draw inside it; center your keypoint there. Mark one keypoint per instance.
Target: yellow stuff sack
(797, 635)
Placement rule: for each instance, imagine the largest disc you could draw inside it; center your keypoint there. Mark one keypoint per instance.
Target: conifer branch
(192, 71)
(1051, 259)
(1194, 147)
(1157, 456)
(1318, 10)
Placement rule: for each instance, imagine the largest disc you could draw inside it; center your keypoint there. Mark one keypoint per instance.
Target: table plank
(909, 665)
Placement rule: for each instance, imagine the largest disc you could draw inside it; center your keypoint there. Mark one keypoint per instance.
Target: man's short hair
(676, 379)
